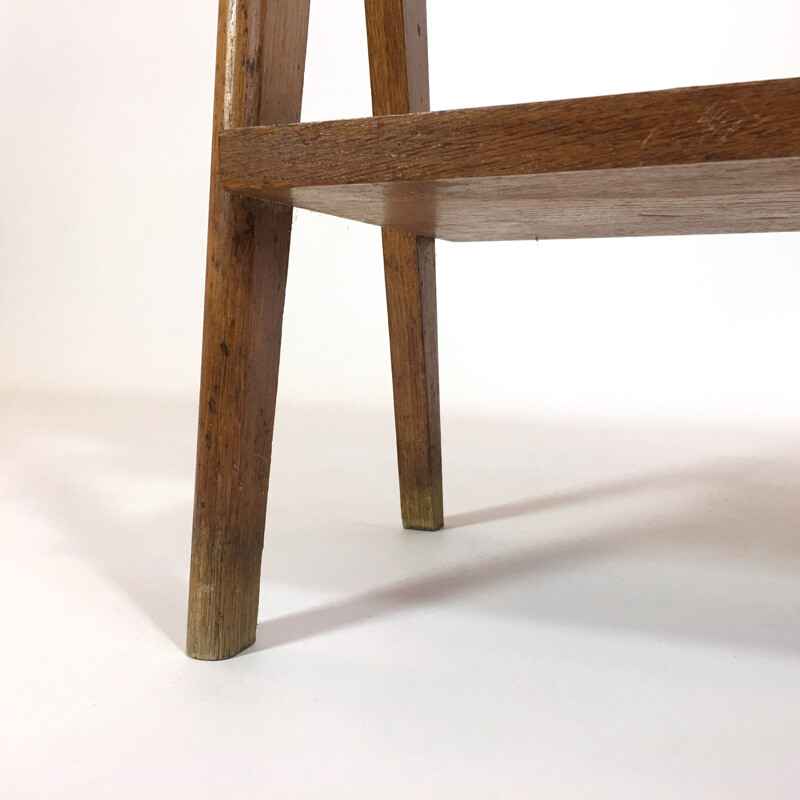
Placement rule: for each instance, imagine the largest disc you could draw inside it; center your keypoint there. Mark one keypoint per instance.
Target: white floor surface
(612, 611)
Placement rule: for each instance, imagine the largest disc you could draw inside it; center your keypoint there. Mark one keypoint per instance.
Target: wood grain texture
(259, 78)
(723, 197)
(397, 38)
(398, 57)
(570, 168)
(409, 269)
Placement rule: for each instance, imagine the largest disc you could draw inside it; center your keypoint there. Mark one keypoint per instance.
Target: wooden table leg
(259, 79)
(398, 57)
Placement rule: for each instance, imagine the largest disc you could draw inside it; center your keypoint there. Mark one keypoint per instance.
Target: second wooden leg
(398, 65)
(410, 270)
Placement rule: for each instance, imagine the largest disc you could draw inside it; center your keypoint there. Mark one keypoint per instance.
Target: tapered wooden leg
(398, 57)
(260, 64)
(411, 300)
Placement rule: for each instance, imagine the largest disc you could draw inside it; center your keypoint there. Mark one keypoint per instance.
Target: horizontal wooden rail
(697, 160)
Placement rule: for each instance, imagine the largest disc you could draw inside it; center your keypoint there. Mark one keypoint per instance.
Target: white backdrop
(105, 149)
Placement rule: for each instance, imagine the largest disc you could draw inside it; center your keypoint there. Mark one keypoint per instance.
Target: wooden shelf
(715, 159)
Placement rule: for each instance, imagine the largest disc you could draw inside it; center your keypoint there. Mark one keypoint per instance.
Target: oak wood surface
(259, 79)
(398, 58)
(696, 160)
(397, 38)
(724, 197)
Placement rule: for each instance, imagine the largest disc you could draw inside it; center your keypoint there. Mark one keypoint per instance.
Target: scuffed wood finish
(398, 58)
(699, 160)
(259, 78)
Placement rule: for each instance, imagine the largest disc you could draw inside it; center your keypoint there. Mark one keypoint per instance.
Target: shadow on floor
(114, 475)
(746, 517)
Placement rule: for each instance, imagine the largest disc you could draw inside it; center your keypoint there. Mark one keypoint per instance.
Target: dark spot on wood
(212, 404)
(241, 241)
(419, 30)
(224, 348)
(208, 441)
(202, 504)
